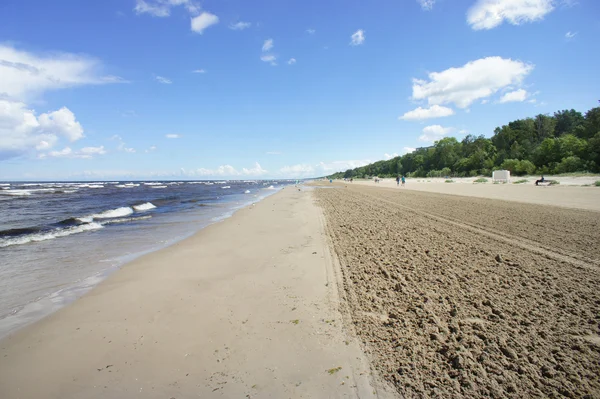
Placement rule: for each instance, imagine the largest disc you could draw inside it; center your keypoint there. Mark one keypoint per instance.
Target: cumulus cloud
(389, 156)
(228, 171)
(357, 38)
(173, 136)
(570, 35)
(514, 96)
(435, 111)
(475, 80)
(162, 8)
(267, 45)
(67, 152)
(426, 4)
(320, 169)
(291, 61)
(240, 25)
(163, 80)
(488, 14)
(21, 130)
(203, 21)
(434, 133)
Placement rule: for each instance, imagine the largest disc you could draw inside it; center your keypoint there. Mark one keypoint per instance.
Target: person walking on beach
(403, 180)
(540, 180)
(398, 180)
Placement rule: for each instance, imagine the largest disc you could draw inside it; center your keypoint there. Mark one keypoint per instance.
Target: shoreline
(45, 305)
(243, 307)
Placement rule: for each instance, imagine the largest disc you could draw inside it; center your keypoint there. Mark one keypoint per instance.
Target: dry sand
(565, 195)
(247, 308)
(461, 297)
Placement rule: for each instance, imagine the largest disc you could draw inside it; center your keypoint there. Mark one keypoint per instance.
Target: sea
(60, 239)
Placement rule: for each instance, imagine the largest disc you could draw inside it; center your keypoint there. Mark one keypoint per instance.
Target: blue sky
(132, 89)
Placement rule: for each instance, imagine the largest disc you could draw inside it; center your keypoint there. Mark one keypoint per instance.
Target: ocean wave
(220, 182)
(16, 192)
(158, 186)
(112, 213)
(125, 220)
(144, 207)
(48, 235)
(4, 184)
(226, 187)
(153, 184)
(247, 192)
(270, 188)
(127, 185)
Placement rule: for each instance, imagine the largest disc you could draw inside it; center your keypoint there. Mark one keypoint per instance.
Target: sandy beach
(463, 297)
(246, 308)
(353, 290)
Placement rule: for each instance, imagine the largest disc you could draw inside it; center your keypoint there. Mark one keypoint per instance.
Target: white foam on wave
(144, 207)
(158, 186)
(114, 213)
(127, 185)
(16, 192)
(4, 184)
(153, 184)
(247, 192)
(125, 220)
(226, 187)
(270, 188)
(49, 235)
(220, 182)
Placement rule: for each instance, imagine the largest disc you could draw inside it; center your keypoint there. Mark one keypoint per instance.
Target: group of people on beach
(399, 179)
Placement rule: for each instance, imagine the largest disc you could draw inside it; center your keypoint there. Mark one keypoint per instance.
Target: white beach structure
(501, 175)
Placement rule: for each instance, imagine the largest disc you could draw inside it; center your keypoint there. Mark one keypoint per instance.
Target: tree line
(565, 142)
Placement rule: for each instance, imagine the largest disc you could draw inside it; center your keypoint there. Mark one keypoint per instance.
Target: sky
(186, 89)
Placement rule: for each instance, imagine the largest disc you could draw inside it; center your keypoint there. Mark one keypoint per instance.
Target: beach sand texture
(247, 308)
(467, 297)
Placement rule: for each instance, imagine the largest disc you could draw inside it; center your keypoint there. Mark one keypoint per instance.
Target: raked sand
(246, 308)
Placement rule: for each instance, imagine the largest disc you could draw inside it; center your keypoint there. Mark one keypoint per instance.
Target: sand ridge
(445, 308)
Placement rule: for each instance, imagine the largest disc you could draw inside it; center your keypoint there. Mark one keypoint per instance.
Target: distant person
(403, 180)
(542, 180)
(397, 180)
(352, 180)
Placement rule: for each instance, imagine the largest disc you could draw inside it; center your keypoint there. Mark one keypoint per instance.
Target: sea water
(59, 239)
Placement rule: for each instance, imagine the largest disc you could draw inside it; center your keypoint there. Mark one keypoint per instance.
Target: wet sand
(462, 297)
(246, 308)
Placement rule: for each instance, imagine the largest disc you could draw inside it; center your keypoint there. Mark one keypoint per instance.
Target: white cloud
(475, 80)
(270, 58)
(570, 35)
(291, 61)
(434, 133)
(435, 111)
(199, 71)
(162, 8)
(122, 146)
(227, 171)
(163, 80)
(426, 4)
(485, 101)
(267, 45)
(25, 76)
(67, 152)
(389, 156)
(240, 25)
(488, 14)
(320, 169)
(21, 130)
(514, 96)
(150, 149)
(203, 21)
(357, 38)
(173, 136)
(311, 31)
(408, 150)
